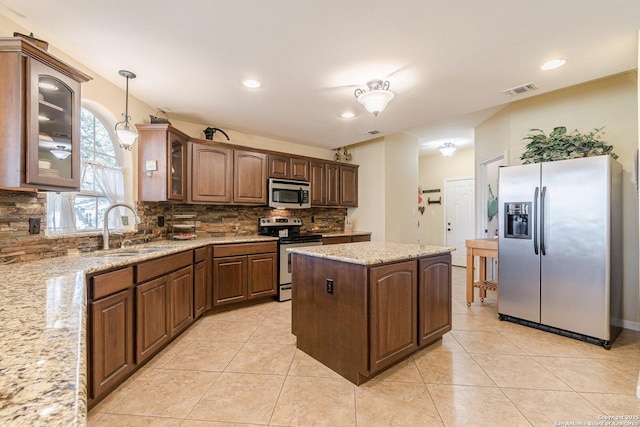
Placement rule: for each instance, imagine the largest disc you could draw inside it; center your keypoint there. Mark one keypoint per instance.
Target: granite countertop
(371, 253)
(43, 335)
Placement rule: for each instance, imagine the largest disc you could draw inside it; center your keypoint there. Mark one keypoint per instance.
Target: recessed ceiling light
(43, 118)
(553, 64)
(250, 83)
(347, 115)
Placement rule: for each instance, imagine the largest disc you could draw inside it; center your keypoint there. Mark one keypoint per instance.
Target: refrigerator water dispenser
(516, 220)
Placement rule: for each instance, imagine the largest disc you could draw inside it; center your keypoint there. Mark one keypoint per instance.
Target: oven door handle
(289, 262)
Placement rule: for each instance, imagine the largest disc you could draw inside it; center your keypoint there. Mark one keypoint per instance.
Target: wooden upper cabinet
(333, 185)
(348, 186)
(211, 168)
(317, 178)
(250, 177)
(285, 167)
(35, 84)
(279, 166)
(299, 169)
(162, 163)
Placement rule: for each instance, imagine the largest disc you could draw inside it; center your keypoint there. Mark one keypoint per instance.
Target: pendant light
(447, 149)
(60, 152)
(126, 133)
(376, 98)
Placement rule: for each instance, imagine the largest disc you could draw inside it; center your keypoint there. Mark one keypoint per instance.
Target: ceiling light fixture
(376, 99)
(553, 64)
(126, 134)
(43, 118)
(348, 115)
(447, 149)
(252, 84)
(60, 153)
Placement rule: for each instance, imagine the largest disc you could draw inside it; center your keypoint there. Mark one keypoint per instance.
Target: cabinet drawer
(361, 238)
(110, 283)
(335, 240)
(244, 249)
(158, 267)
(200, 254)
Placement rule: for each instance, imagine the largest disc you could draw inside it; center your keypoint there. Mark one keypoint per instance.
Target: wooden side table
(482, 248)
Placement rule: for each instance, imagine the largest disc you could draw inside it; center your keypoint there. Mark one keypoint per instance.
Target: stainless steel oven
(287, 229)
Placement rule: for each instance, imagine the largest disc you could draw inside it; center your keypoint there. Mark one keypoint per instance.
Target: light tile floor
(241, 368)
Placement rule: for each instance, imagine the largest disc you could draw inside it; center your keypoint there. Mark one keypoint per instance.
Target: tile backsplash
(17, 245)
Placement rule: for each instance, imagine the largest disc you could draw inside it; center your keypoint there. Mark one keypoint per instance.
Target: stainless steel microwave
(289, 194)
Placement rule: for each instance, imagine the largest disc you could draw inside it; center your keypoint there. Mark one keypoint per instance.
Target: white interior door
(459, 219)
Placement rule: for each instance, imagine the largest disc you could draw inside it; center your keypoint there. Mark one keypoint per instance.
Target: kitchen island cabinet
(360, 308)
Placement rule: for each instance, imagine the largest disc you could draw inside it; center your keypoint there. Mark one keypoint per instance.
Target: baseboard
(626, 324)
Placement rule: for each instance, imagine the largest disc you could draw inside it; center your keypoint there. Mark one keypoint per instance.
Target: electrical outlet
(160, 221)
(329, 286)
(124, 219)
(34, 225)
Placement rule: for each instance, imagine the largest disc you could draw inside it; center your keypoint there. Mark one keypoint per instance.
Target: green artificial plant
(560, 145)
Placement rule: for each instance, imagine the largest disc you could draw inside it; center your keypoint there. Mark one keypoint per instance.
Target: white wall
(611, 102)
(370, 215)
(433, 170)
(387, 188)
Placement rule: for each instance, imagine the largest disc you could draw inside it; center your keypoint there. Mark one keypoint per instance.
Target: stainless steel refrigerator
(560, 247)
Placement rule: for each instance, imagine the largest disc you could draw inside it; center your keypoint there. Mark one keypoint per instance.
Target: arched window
(102, 182)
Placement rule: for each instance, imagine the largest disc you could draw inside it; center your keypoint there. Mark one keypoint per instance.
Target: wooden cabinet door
(279, 167)
(111, 340)
(229, 280)
(181, 300)
(434, 293)
(333, 185)
(211, 173)
(348, 186)
(299, 169)
(61, 108)
(152, 317)
(250, 177)
(177, 169)
(317, 178)
(201, 287)
(262, 275)
(393, 308)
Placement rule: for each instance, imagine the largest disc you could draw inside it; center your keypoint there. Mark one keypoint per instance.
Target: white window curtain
(110, 182)
(62, 217)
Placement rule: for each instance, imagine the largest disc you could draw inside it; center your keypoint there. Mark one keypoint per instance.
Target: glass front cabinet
(40, 118)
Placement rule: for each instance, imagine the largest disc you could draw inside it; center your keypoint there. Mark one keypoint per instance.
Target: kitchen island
(360, 308)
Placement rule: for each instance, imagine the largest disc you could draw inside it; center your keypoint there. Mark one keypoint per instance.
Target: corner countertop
(43, 335)
(371, 253)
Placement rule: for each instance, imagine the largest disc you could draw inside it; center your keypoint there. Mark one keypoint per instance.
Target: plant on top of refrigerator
(562, 145)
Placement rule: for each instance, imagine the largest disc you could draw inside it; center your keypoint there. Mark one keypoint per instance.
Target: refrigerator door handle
(535, 220)
(542, 201)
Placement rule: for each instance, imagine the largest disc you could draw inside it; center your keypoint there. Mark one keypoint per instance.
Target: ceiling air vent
(372, 132)
(520, 89)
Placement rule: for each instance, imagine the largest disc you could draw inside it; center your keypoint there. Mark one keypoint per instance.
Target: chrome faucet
(105, 228)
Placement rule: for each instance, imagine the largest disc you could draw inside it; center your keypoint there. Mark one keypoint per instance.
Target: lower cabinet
(110, 330)
(152, 317)
(244, 271)
(434, 302)
(130, 320)
(164, 301)
(201, 281)
(346, 238)
(111, 343)
(393, 290)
